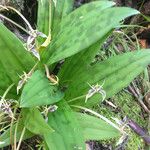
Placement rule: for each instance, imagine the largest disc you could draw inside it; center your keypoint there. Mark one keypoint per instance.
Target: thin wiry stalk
(77, 98)
(24, 19)
(130, 26)
(100, 116)
(6, 92)
(1, 123)
(16, 24)
(4, 106)
(6, 127)
(15, 134)
(21, 137)
(11, 125)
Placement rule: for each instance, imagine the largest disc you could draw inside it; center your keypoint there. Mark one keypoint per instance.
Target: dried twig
(135, 91)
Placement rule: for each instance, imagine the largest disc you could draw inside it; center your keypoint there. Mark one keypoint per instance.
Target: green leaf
(38, 91)
(82, 59)
(51, 14)
(86, 10)
(79, 32)
(44, 18)
(62, 8)
(116, 73)
(5, 137)
(67, 135)
(95, 128)
(14, 59)
(34, 121)
(43, 21)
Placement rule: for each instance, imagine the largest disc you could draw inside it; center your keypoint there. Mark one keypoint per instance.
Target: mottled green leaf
(34, 121)
(5, 137)
(14, 59)
(95, 128)
(87, 11)
(116, 73)
(67, 135)
(38, 91)
(82, 59)
(80, 31)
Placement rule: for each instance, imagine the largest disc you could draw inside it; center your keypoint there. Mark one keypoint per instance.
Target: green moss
(126, 106)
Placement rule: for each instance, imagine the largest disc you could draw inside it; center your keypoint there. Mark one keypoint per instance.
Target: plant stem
(100, 116)
(21, 137)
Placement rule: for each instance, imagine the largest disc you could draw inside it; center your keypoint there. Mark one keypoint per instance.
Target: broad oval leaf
(87, 10)
(38, 91)
(14, 59)
(95, 128)
(34, 121)
(116, 73)
(82, 32)
(67, 135)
